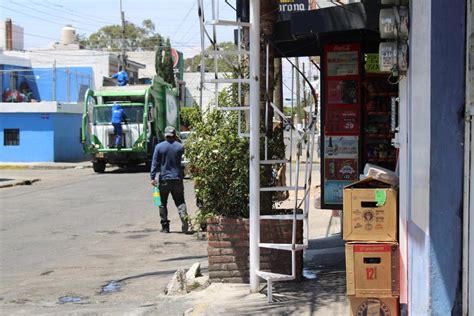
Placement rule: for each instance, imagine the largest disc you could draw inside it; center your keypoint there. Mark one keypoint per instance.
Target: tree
(168, 64)
(159, 54)
(136, 38)
(164, 62)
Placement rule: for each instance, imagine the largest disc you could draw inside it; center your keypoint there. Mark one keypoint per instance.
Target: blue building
(40, 132)
(40, 116)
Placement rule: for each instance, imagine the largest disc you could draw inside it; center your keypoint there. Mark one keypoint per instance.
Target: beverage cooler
(357, 113)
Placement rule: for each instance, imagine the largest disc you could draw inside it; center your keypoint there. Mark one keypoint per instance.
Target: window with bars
(11, 137)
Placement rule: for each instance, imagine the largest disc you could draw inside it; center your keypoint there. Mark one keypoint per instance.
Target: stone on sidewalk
(177, 284)
(193, 272)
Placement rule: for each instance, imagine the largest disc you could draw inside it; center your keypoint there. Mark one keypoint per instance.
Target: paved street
(74, 231)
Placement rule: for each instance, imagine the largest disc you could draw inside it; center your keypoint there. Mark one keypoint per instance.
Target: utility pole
(123, 59)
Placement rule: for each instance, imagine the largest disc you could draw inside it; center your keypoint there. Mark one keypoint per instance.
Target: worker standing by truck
(118, 116)
(167, 161)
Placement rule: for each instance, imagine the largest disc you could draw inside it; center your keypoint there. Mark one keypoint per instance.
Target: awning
(306, 32)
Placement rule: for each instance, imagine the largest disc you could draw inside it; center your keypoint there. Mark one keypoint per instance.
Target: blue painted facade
(447, 153)
(23, 74)
(69, 83)
(44, 137)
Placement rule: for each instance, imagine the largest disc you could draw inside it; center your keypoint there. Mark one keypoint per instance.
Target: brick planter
(228, 248)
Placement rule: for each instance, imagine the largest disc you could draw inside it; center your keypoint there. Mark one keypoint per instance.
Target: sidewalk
(7, 181)
(44, 165)
(323, 292)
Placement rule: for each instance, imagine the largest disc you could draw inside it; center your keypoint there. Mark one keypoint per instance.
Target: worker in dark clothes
(121, 76)
(118, 116)
(167, 161)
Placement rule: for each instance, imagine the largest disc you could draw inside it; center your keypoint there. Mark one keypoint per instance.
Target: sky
(42, 21)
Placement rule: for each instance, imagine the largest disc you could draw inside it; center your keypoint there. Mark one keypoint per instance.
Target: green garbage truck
(149, 109)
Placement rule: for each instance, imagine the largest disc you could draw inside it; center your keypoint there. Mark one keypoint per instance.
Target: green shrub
(190, 116)
(219, 163)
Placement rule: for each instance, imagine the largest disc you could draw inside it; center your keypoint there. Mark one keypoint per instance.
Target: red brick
(220, 259)
(213, 251)
(228, 251)
(219, 274)
(231, 266)
(220, 244)
(213, 220)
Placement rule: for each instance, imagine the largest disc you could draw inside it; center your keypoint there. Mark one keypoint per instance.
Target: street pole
(122, 16)
(298, 103)
(254, 234)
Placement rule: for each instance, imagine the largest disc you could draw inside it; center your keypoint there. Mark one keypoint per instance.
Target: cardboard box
(372, 269)
(370, 211)
(374, 306)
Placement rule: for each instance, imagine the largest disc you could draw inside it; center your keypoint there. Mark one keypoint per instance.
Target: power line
(34, 17)
(184, 18)
(74, 12)
(47, 13)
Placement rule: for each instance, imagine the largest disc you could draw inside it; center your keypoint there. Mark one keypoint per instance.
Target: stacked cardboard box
(372, 255)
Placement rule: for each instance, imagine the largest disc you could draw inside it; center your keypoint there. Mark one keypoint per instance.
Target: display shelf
(375, 160)
(378, 113)
(379, 136)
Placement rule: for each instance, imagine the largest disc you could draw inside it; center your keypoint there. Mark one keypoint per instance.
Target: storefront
(411, 123)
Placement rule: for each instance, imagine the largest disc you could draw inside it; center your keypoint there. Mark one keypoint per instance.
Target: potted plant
(219, 163)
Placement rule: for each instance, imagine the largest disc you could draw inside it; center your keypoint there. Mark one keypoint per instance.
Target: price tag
(380, 197)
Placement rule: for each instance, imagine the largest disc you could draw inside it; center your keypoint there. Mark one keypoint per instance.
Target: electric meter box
(393, 23)
(372, 269)
(393, 54)
(370, 212)
(374, 306)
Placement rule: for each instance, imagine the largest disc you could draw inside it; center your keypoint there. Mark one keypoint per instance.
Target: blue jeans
(118, 133)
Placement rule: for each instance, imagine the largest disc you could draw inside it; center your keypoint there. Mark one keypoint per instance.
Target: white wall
(193, 81)
(99, 61)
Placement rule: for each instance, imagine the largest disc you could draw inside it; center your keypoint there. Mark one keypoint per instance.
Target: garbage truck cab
(148, 108)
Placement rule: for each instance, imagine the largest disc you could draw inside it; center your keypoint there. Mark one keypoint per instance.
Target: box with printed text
(370, 211)
(374, 306)
(372, 269)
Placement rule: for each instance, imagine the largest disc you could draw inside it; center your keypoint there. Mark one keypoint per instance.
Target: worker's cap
(170, 131)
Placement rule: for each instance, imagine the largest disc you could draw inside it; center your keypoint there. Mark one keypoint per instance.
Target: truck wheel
(99, 166)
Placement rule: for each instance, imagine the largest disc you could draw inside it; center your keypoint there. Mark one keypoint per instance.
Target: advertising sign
(333, 191)
(342, 121)
(341, 147)
(342, 61)
(286, 7)
(341, 169)
(342, 92)
(341, 109)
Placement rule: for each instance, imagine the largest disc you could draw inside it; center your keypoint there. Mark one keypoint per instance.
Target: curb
(16, 183)
(40, 167)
